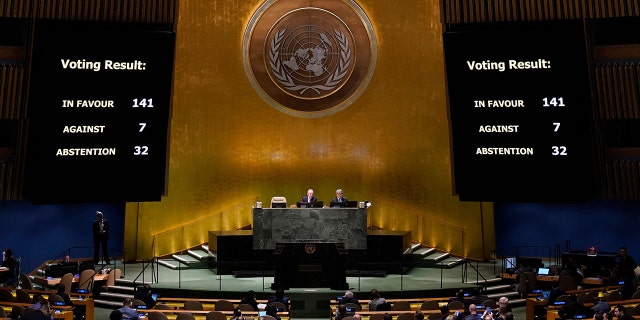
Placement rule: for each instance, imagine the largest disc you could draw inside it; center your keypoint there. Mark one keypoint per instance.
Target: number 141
(142, 103)
(553, 102)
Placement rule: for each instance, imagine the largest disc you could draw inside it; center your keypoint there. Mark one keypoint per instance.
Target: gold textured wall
(228, 147)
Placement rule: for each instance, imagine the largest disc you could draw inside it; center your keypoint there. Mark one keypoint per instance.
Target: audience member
(37, 301)
(501, 313)
(144, 294)
(127, 311)
(237, 314)
(341, 312)
(42, 313)
(554, 294)
(444, 312)
(387, 316)
(478, 298)
(350, 298)
(509, 316)
(625, 266)
(115, 315)
(376, 300)
(272, 311)
(250, 299)
(279, 297)
(504, 302)
(621, 313)
(575, 271)
(459, 297)
(10, 277)
(601, 306)
(502, 308)
(461, 315)
(473, 313)
(626, 263)
(61, 288)
(418, 315)
(601, 316)
(573, 307)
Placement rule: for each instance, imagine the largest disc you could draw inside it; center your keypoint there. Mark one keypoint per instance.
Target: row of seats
(211, 304)
(404, 305)
(402, 315)
(160, 314)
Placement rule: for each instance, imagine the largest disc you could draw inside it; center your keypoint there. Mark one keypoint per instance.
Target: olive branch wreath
(285, 79)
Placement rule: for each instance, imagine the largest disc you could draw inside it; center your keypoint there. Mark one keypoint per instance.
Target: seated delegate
(309, 198)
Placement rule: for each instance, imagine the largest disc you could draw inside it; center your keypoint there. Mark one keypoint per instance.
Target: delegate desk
(554, 279)
(207, 303)
(52, 282)
(414, 303)
(201, 314)
(552, 312)
(83, 301)
(62, 312)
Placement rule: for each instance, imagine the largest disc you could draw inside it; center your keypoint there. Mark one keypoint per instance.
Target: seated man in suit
(144, 294)
(127, 311)
(339, 198)
(9, 278)
(573, 308)
(309, 197)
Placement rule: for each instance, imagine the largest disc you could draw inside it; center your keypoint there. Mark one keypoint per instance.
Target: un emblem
(309, 61)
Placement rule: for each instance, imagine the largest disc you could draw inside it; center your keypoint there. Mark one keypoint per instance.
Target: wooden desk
(531, 304)
(52, 282)
(201, 314)
(552, 279)
(65, 315)
(66, 311)
(415, 303)
(88, 305)
(207, 303)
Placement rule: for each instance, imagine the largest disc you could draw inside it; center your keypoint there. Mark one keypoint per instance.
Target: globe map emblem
(308, 59)
(310, 62)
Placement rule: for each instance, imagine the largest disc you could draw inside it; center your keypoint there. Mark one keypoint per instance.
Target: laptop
(543, 271)
(546, 294)
(317, 204)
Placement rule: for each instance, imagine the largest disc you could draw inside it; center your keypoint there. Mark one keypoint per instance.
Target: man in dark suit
(144, 294)
(339, 198)
(309, 197)
(100, 237)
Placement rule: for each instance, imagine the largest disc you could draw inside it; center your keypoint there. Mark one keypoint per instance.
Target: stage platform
(309, 302)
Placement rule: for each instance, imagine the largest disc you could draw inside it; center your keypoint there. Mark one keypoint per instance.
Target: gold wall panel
(229, 148)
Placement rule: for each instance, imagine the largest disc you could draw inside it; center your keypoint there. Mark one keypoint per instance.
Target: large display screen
(520, 111)
(99, 109)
